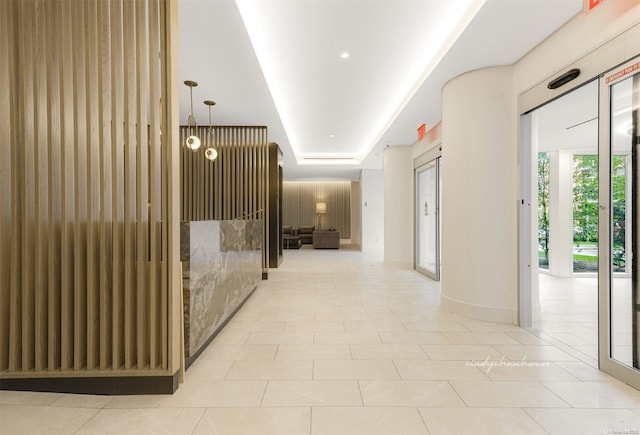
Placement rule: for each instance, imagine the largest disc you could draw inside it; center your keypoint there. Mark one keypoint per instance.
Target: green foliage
(543, 203)
(585, 198)
(585, 203)
(619, 192)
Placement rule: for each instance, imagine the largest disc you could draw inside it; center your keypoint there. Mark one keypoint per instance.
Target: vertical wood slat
(67, 169)
(6, 246)
(154, 175)
(14, 357)
(105, 154)
(54, 130)
(129, 185)
(233, 186)
(79, 193)
(28, 190)
(83, 219)
(93, 187)
(117, 141)
(142, 173)
(164, 19)
(41, 206)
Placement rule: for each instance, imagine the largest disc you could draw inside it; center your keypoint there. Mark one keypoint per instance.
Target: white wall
(398, 205)
(373, 204)
(356, 213)
(479, 213)
(577, 38)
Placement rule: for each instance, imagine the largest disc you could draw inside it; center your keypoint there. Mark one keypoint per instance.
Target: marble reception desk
(222, 265)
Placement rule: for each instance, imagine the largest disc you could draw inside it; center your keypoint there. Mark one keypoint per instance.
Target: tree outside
(543, 210)
(585, 212)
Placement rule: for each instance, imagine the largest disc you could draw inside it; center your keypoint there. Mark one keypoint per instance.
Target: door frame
(435, 163)
(606, 363)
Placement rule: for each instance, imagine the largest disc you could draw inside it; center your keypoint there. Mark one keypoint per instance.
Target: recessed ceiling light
(332, 135)
(344, 55)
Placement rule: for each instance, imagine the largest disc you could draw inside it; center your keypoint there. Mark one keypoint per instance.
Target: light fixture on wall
(210, 153)
(321, 208)
(193, 142)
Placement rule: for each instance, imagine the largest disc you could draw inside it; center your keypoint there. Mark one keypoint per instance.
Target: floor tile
(280, 338)
(313, 351)
(370, 421)
(267, 369)
(27, 398)
(409, 393)
(255, 421)
(81, 401)
(231, 337)
(526, 371)
(32, 419)
(247, 326)
(534, 353)
(373, 326)
(527, 338)
(501, 394)
(388, 351)
(130, 421)
(312, 393)
(354, 369)
(438, 370)
(426, 326)
(314, 326)
(479, 338)
(415, 337)
(212, 394)
(466, 352)
(480, 421)
(137, 401)
(596, 394)
(584, 372)
(586, 421)
(208, 369)
(347, 338)
(241, 352)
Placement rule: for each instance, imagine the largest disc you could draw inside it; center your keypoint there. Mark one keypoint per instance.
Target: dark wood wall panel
(84, 191)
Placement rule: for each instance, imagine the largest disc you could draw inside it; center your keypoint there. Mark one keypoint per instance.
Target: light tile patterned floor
(335, 342)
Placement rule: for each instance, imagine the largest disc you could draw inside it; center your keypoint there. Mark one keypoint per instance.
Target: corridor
(335, 342)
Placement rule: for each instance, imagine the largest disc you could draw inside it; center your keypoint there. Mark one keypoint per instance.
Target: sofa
(306, 234)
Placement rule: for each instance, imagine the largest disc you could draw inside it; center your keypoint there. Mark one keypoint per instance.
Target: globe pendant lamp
(210, 153)
(192, 142)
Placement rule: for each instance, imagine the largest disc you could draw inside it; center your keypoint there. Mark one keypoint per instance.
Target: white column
(398, 205)
(561, 213)
(479, 189)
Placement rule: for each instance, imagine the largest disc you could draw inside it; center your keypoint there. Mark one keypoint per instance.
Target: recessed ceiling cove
(340, 72)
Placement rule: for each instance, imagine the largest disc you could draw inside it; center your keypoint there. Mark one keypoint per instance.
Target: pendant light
(210, 152)
(193, 142)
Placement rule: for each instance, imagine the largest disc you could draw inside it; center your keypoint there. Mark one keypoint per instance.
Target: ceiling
(333, 116)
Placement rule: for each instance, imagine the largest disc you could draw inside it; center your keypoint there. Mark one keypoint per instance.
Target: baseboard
(107, 385)
(478, 312)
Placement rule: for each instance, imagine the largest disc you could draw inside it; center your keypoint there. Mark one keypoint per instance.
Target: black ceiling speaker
(564, 79)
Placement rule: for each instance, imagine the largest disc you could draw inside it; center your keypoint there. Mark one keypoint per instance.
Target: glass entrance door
(428, 219)
(619, 313)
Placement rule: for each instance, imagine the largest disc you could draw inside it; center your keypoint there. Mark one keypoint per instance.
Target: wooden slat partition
(299, 200)
(235, 185)
(84, 191)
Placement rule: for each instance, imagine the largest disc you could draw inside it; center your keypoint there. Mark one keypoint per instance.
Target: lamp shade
(321, 207)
